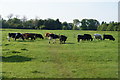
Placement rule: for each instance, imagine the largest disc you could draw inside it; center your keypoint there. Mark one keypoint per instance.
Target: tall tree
(76, 24)
(84, 24)
(89, 24)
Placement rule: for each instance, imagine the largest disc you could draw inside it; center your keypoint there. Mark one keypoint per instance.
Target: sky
(64, 10)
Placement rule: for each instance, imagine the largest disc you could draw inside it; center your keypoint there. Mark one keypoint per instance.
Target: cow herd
(62, 38)
(96, 36)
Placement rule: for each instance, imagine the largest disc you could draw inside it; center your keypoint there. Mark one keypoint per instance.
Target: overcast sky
(65, 10)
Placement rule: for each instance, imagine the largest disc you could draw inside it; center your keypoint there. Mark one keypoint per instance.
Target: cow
(53, 36)
(62, 39)
(110, 37)
(38, 36)
(88, 37)
(80, 37)
(47, 34)
(98, 36)
(15, 36)
(29, 35)
(84, 37)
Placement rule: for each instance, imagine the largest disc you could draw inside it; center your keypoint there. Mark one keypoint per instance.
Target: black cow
(53, 36)
(80, 37)
(84, 37)
(88, 37)
(110, 37)
(15, 36)
(62, 39)
(39, 36)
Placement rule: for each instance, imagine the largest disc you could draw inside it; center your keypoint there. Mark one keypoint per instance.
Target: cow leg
(22, 37)
(64, 42)
(60, 41)
(78, 40)
(54, 41)
(31, 38)
(8, 38)
(49, 39)
(91, 39)
(103, 38)
(15, 39)
(34, 38)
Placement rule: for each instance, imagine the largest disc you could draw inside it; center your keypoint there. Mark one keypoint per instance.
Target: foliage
(89, 24)
(112, 26)
(51, 24)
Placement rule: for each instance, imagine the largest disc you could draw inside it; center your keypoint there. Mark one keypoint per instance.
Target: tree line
(51, 24)
(112, 26)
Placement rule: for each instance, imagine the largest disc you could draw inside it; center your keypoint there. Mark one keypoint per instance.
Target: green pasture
(39, 59)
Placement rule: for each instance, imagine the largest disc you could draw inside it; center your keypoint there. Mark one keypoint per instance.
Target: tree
(76, 24)
(24, 19)
(118, 26)
(93, 24)
(58, 24)
(89, 24)
(52, 24)
(84, 24)
(104, 27)
(65, 26)
(110, 27)
(70, 26)
(15, 23)
(40, 24)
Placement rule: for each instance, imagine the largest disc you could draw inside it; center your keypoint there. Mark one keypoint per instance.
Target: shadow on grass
(15, 58)
(6, 44)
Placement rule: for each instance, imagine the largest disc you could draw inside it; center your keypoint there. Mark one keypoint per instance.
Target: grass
(39, 59)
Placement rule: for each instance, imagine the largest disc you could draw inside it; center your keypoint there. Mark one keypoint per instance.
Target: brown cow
(29, 35)
(32, 36)
(47, 34)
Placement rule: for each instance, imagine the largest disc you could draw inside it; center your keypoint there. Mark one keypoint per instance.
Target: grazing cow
(15, 36)
(39, 36)
(62, 39)
(88, 37)
(53, 36)
(110, 37)
(29, 35)
(80, 37)
(84, 37)
(47, 34)
(98, 36)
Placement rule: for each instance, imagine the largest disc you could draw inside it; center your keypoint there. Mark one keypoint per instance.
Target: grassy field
(39, 59)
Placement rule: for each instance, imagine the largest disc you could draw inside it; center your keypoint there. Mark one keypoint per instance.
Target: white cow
(98, 36)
